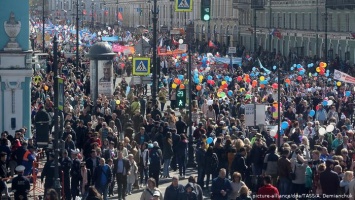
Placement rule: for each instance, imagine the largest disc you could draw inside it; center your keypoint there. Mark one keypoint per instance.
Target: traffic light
(206, 10)
(181, 98)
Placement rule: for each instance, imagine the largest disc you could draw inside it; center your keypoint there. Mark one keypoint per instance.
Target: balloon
(284, 125)
(318, 69)
(274, 85)
(288, 81)
(262, 86)
(118, 102)
(209, 77)
(209, 140)
(299, 78)
(299, 66)
(312, 113)
(262, 78)
(317, 107)
(242, 89)
(347, 93)
(255, 82)
(274, 67)
(45, 87)
(322, 64)
(246, 76)
(226, 78)
(181, 77)
(272, 133)
(321, 131)
(325, 103)
(330, 102)
(338, 83)
(230, 93)
(292, 68)
(198, 87)
(301, 72)
(174, 86)
(330, 128)
(222, 94)
(239, 78)
(223, 82)
(182, 86)
(248, 80)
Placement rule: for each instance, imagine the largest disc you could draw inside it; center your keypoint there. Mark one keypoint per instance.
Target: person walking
(103, 178)
(121, 170)
(20, 184)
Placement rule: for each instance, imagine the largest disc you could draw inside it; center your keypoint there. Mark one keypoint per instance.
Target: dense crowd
(129, 142)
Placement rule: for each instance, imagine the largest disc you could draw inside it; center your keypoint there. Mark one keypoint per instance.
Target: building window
(296, 27)
(310, 21)
(347, 22)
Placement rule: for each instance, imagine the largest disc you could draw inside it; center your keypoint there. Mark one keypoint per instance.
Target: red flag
(84, 12)
(211, 44)
(119, 15)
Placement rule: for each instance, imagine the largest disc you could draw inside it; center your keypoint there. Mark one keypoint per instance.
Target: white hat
(156, 194)
(156, 144)
(75, 151)
(20, 168)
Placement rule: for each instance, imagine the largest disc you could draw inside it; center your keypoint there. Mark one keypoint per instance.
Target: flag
(262, 67)
(212, 45)
(84, 12)
(275, 32)
(119, 15)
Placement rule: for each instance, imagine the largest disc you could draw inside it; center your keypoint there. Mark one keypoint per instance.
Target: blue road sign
(141, 66)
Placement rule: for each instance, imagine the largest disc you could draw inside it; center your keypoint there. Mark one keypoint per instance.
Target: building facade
(301, 27)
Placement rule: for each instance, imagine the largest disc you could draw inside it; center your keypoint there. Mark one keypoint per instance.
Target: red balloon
(299, 78)
(239, 78)
(248, 80)
(317, 107)
(274, 85)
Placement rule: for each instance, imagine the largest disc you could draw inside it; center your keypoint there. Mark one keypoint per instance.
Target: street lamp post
(92, 14)
(77, 34)
(57, 185)
(43, 22)
(326, 33)
(155, 65)
(117, 11)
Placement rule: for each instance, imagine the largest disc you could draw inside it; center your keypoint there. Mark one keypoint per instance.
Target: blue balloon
(294, 65)
(230, 92)
(230, 79)
(327, 74)
(284, 125)
(292, 68)
(325, 103)
(226, 78)
(315, 74)
(209, 140)
(312, 64)
(197, 81)
(195, 75)
(252, 74)
(301, 72)
(257, 73)
(274, 67)
(184, 55)
(253, 68)
(181, 77)
(209, 77)
(347, 93)
(327, 71)
(299, 66)
(177, 64)
(312, 113)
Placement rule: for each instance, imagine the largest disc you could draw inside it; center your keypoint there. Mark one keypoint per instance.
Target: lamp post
(117, 11)
(77, 34)
(279, 105)
(43, 22)
(57, 185)
(255, 45)
(92, 14)
(317, 29)
(155, 65)
(326, 33)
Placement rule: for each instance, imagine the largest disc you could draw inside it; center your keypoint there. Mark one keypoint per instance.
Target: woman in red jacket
(268, 191)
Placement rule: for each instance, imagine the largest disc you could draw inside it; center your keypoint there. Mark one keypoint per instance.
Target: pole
(255, 46)
(77, 34)
(270, 25)
(317, 29)
(171, 16)
(155, 66)
(117, 11)
(57, 186)
(278, 106)
(190, 148)
(185, 18)
(92, 14)
(43, 20)
(326, 34)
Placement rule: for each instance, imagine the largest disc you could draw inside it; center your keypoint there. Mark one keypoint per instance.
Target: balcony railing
(340, 4)
(247, 4)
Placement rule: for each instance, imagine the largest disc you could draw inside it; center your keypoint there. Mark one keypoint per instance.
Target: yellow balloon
(45, 88)
(118, 102)
(262, 78)
(173, 85)
(200, 77)
(224, 82)
(318, 69)
(338, 83)
(242, 90)
(219, 94)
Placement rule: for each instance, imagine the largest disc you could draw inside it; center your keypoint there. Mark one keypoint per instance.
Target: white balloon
(272, 133)
(330, 102)
(330, 127)
(321, 131)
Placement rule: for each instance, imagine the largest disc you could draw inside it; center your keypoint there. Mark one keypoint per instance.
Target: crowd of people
(113, 145)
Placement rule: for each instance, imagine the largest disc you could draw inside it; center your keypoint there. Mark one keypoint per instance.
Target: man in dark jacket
(201, 164)
(238, 164)
(47, 173)
(174, 191)
(221, 186)
(121, 169)
(329, 180)
(156, 157)
(141, 137)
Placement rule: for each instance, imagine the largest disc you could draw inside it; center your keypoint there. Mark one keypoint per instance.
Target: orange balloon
(246, 76)
(220, 90)
(198, 87)
(288, 81)
(177, 81)
(262, 85)
(255, 82)
(182, 86)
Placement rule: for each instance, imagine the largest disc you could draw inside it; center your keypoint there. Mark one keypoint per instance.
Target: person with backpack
(156, 157)
(270, 164)
(211, 166)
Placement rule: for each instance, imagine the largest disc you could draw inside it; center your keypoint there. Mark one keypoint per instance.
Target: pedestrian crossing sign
(141, 66)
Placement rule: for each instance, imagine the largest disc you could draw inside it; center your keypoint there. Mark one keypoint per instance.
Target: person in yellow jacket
(135, 105)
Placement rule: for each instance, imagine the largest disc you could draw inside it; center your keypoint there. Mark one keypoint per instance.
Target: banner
(183, 5)
(123, 49)
(341, 76)
(105, 80)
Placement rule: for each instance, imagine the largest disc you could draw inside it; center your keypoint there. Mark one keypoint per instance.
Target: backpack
(155, 158)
